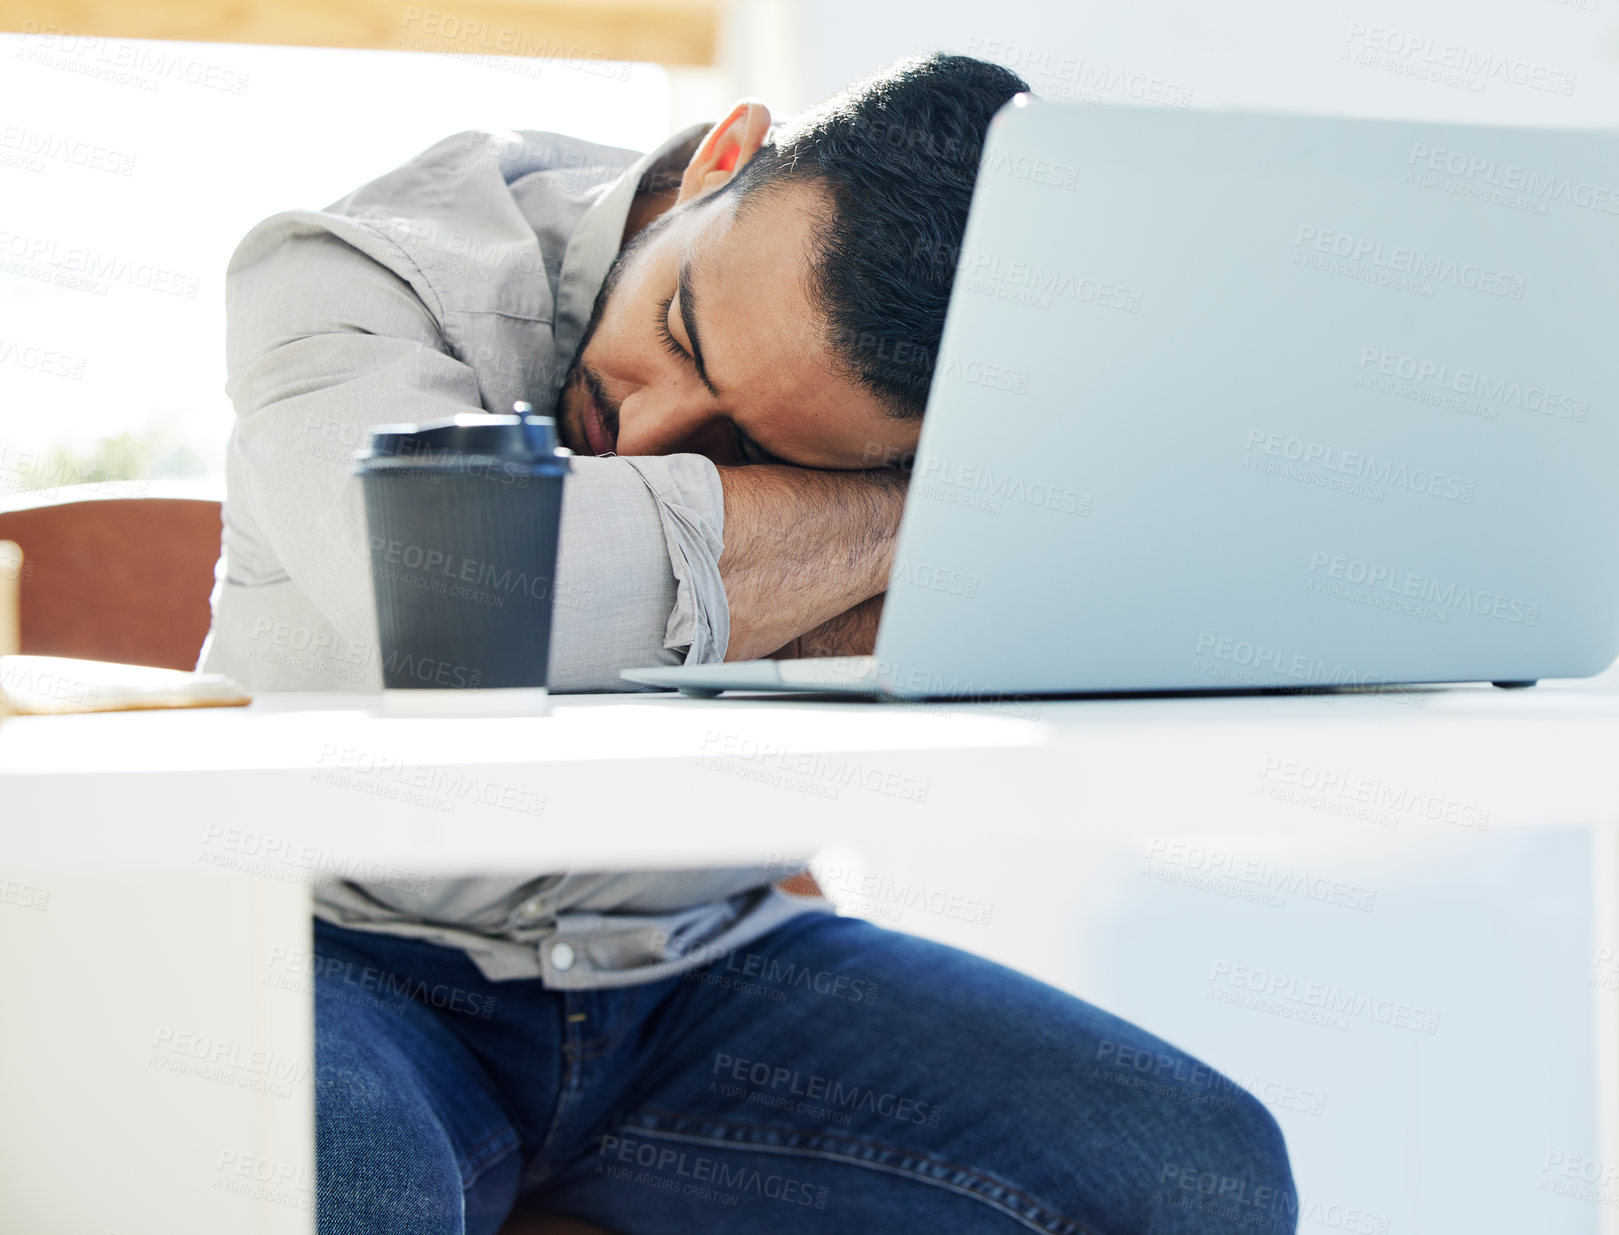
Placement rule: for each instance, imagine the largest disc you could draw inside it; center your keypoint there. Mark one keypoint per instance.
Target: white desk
(185, 1053)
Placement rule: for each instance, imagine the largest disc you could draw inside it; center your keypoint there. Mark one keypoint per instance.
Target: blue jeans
(833, 1076)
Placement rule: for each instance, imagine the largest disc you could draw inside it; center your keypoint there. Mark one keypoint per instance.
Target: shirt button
(562, 956)
(533, 907)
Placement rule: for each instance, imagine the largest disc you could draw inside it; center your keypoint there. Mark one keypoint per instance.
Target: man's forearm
(803, 547)
(851, 633)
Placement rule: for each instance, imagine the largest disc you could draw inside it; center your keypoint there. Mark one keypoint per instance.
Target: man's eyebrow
(688, 314)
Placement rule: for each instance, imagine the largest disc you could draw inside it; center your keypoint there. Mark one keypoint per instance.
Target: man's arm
(851, 633)
(325, 341)
(806, 551)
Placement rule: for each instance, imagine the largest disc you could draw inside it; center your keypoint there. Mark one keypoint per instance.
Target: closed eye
(665, 335)
(747, 450)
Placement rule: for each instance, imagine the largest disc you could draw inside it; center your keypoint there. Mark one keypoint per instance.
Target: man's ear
(728, 145)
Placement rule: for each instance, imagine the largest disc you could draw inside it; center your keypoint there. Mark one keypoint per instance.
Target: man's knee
(383, 1162)
(1268, 1147)
(1231, 1165)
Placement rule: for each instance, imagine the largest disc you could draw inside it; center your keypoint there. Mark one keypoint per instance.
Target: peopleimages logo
(38, 145)
(980, 373)
(442, 31)
(1473, 384)
(1398, 259)
(1085, 77)
(1003, 486)
(1259, 664)
(1262, 875)
(1544, 186)
(1418, 50)
(1287, 990)
(94, 268)
(832, 1090)
(1037, 171)
(1376, 575)
(489, 260)
(450, 566)
(1358, 465)
(697, 1175)
(936, 579)
(1310, 784)
(981, 271)
(1585, 1179)
(124, 61)
(33, 359)
(819, 767)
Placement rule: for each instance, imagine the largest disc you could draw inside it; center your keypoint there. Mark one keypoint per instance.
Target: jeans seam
(473, 1166)
(570, 1085)
(1050, 1222)
(588, 1050)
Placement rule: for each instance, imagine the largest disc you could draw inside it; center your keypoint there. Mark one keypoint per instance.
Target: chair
(118, 572)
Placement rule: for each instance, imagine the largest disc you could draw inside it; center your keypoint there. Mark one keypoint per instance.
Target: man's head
(788, 307)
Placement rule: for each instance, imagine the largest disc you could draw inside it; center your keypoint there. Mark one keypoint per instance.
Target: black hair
(897, 155)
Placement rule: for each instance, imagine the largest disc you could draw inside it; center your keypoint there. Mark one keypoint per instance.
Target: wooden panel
(120, 580)
(11, 564)
(665, 31)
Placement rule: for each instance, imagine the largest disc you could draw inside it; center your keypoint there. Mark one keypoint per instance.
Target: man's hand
(807, 549)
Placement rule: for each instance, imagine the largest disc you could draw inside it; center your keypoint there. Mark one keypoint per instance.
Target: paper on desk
(43, 685)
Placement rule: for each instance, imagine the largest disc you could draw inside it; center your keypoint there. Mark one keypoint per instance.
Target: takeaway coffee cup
(463, 515)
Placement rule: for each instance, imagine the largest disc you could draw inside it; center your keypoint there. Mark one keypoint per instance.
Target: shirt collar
(595, 243)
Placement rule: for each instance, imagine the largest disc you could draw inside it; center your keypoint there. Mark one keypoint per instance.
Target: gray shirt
(461, 281)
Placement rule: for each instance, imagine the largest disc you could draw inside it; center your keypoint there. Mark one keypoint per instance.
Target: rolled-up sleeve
(328, 335)
(638, 579)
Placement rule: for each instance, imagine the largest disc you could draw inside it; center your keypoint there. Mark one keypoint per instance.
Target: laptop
(1234, 401)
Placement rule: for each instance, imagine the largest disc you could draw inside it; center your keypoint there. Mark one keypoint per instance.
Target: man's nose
(656, 421)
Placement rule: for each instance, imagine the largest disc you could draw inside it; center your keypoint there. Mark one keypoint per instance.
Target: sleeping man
(736, 334)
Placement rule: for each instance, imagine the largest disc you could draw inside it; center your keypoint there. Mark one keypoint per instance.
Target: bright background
(138, 384)
(312, 124)
(1417, 1134)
